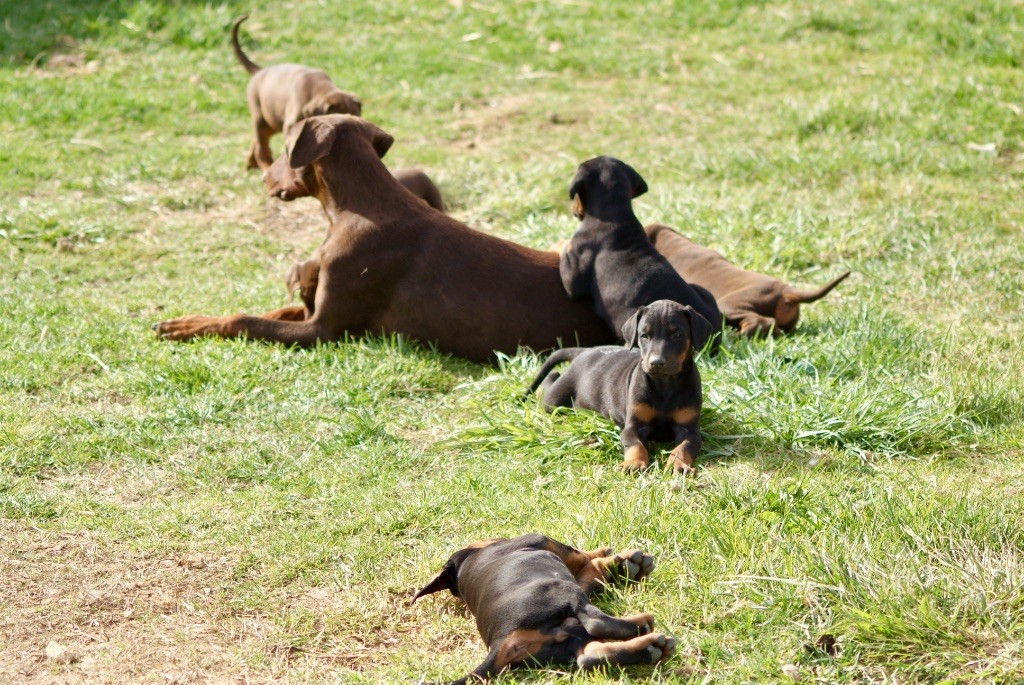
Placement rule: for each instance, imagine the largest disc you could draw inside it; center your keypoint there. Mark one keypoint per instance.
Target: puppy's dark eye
(645, 336)
(675, 335)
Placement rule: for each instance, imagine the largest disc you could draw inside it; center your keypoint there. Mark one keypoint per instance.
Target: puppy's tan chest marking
(685, 415)
(646, 413)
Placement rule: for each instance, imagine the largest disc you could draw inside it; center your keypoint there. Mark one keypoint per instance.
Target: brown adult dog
(303, 276)
(751, 302)
(529, 596)
(391, 264)
(282, 94)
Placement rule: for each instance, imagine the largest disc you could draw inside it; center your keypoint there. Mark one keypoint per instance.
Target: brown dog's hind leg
(260, 155)
(646, 649)
(287, 314)
(755, 326)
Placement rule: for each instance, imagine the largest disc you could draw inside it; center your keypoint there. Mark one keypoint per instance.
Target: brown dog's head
(310, 140)
(448, 577)
(607, 179)
(666, 332)
(334, 102)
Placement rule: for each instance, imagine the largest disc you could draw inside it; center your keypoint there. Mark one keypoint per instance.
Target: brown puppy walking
(391, 264)
(752, 302)
(282, 94)
(529, 596)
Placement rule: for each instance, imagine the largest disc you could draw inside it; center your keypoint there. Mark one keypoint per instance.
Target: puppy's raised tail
(566, 354)
(793, 295)
(249, 65)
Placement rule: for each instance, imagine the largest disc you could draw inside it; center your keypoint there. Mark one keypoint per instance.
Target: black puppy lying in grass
(651, 393)
(529, 598)
(611, 260)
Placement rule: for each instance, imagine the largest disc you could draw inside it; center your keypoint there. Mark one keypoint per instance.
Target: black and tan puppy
(651, 393)
(529, 596)
(610, 258)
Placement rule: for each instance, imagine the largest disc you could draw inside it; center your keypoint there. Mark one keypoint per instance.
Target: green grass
(226, 509)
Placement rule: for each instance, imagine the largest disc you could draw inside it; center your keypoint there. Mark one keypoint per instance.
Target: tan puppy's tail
(249, 65)
(793, 295)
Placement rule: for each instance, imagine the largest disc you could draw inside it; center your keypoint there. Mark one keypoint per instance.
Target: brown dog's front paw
(186, 327)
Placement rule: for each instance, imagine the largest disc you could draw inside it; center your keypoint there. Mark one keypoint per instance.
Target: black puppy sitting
(651, 393)
(610, 258)
(529, 598)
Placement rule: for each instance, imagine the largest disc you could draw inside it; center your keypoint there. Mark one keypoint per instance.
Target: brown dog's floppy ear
(380, 139)
(307, 141)
(700, 328)
(631, 329)
(637, 181)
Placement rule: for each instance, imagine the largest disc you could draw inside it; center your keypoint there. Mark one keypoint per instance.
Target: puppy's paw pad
(635, 564)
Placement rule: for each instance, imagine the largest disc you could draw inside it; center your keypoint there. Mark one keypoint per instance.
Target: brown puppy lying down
(302, 276)
(751, 302)
(650, 393)
(282, 94)
(529, 596)
(391, 264)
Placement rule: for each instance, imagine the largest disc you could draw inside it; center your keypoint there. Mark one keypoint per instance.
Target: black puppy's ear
(448, 577)
(636, 180)
(444, 580)
(631, 329)
(576, 191)
(700, 328)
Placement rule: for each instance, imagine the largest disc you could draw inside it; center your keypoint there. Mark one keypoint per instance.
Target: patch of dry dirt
(121, 616)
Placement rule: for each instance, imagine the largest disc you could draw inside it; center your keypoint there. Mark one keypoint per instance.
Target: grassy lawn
(226, 511)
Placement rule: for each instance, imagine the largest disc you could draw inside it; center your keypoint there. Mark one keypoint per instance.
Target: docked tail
(566, 354)
(249, 65)
(793, 295)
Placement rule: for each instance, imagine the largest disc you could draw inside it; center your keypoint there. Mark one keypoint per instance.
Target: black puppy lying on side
(651, 393)
(610, 258)
(529, 598)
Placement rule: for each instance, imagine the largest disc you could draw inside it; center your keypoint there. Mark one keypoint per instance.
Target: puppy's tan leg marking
(520, 645)
(646, 649)
(636, 458)
(631, 565)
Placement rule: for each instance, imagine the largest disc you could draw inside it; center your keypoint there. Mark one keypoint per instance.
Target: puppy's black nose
(656, 363)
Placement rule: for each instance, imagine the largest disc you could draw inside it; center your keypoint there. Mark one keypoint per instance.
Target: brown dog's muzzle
(283, 182)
